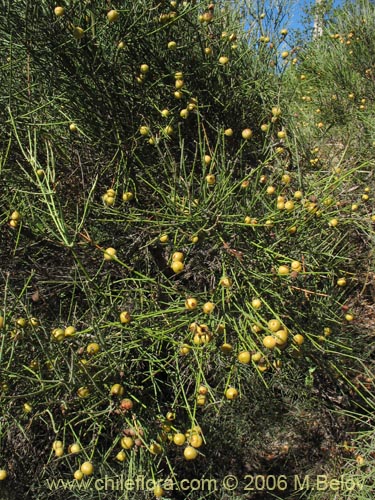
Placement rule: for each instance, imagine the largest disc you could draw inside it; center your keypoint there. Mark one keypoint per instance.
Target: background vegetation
(186, 208)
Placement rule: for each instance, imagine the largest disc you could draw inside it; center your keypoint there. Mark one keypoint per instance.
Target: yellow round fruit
(270, 190)
(228, 132)
(21, 322)
(158, 491)
(59, 11)
(191, 303)
(276, 111)
(349, 317)
(144, 68)
(155, 448)
(109, 254)
(264, 127)
(226, 282)
(283, 270)
(178, 256)
(269, 341)
(78, 33)
(341, 282)
(57, 444)
(190, 453)
(196, 440)
(87, 468)
(69, 331)
(127, 196)
(256, 303)
(177, 266)
(112, 15)
(125, 317)
(257, 356)
(284, 54)
(244, 357)
(144, 130)
(327, 331)
(274, 325)
(208, 307)
(223, 60)
(78, 475)
(15, 215)
(333, 222)
(117, 390)
(296, 266)
(83, 392)
(185, 349)
(179, 438)
(263, 367)
(289, 205)
(226, 348)
(201, 400)
(121, 456)
(247, 134)
(93, 348)
(74, 448)
(163, 238)
(298, 339)
(59, 452)
(207, 159)
(231, 393)
(168, 130)
(27, 408)
(127, 443)
(281, 337)
(203, 390)
(211, 179)
(285, 179)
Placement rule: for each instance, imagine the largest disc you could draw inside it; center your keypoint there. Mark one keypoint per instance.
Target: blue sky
(295, 22)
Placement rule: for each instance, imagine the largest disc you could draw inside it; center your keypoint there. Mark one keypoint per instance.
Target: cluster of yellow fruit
(132, 439)
(14, 219)
(201, 333)
(59, 334)
(20, 323)
(178, 265)
(109, 197)
(295, 267)
(86, 468)
(192, 438)
(143, 70)
(58, 448)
